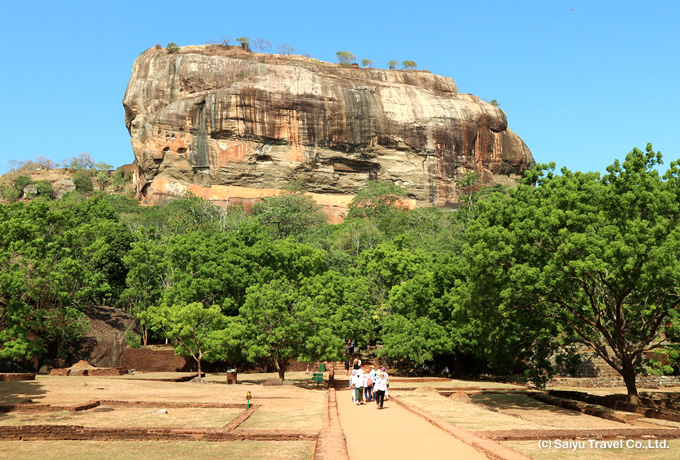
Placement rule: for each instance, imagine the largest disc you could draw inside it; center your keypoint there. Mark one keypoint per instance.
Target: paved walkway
(393, 432)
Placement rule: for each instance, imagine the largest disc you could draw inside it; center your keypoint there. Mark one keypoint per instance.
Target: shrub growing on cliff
(392, 65)
(245, 43)
(367, 63)
(409, 65)
(82, 181)
(261, 45)
(285, 49)
(345, 58)
(172, 48)
(44, 189)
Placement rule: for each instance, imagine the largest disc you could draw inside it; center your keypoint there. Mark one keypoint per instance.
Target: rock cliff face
(234, 126)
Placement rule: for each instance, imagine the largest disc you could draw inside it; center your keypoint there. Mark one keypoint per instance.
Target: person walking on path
(380, 386)
(387, 383)
(368, 387)
(347, 365)
(358, 386)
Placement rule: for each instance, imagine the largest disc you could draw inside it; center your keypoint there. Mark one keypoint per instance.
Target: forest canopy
(508, 282)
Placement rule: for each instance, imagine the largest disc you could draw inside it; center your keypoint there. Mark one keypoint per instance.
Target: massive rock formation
(231, 125)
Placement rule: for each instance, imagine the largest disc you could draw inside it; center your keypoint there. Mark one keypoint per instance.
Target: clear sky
(581, 81)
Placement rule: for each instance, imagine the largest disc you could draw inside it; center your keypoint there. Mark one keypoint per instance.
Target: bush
(10, 194)
(133, 339)
(21, 182)
(172, 48)
(82, 181)
(121, 178)
(45, 189)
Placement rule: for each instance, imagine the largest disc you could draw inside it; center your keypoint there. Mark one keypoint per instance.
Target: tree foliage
(204, 333)
(345, 57)
(368, 63)
(245, 43)
(284, 321)
(580, 258)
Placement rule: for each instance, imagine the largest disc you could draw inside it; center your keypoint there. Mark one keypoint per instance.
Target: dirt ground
(156, 450)
(393, 432)
(296, 406)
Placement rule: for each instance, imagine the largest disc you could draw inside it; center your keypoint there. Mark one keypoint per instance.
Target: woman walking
(380, 387)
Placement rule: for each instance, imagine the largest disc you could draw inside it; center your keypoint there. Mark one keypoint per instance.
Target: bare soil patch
(531, 449)
(107, 417)
(158, 450)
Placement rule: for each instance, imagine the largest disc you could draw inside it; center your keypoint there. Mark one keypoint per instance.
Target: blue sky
(581, 81)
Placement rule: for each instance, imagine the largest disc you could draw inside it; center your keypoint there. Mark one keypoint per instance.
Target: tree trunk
(199, 369)
(629, 379)
(280, 368)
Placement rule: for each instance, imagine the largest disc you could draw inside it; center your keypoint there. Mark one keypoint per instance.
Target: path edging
(489, 447)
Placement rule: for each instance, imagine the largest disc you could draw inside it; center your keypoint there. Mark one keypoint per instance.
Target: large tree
(579, 258)
(285, 321)
(204, 333)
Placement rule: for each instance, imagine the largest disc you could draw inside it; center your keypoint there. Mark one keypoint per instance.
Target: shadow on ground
(504, 402)
(22, 392)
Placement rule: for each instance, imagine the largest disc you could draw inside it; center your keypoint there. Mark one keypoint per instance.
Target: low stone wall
(79, 433)
(104, 372)
(11, 377)
(150, 360)
(649, 381)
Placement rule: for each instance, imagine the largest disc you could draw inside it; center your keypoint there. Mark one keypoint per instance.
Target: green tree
(392, 65)
(409, 65)
(204, 333)
(580, 258)
(282, 323)
(377, 199)
(345, 58)
(290, 213)
(83, 181)
(172, 48)
(64, 326)
(103, 179)
(44, 189)
(245, 43)
(367, 63)
(55, 256)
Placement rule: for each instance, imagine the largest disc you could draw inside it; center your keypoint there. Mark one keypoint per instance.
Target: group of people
(369, 386)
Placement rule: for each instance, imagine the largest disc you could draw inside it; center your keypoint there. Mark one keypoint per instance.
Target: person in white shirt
(380, 386)
(358, 386)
